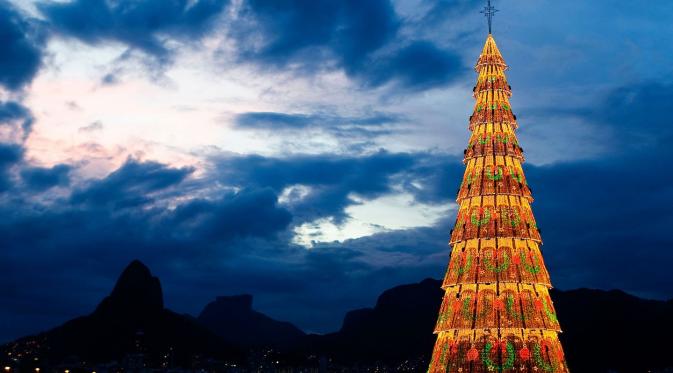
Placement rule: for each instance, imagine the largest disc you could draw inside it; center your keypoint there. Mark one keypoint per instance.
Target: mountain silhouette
(614, 331)
(136, 296)
(234, 320)
(399, 327)
(131, 321)
(603, 331)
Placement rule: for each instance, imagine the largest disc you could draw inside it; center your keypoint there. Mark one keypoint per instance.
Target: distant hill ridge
(604, 331)
(234, 320)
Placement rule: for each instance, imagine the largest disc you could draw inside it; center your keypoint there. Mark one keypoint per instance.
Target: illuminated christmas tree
(496, 315)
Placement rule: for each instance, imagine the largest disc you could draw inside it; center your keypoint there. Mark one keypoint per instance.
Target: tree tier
(504, 350)
(492, 110)
(493, 139)
(489, 61)
(502, 260)
(495, 216)
(497, 305)
(492, 79)
(493, 175)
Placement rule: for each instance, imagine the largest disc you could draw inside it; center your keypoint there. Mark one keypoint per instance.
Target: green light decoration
(485, 309)
(531, 222)
(465, 309)
(485, 140)
(479, 108)
(444, 315)
(509, 362)
(515, 175)
(498, 174)
(550, 315)
(480, 222)
(465, 267)
(513, 218)
(470, 179)
(500, 268)
(509, 307)
(539, 361)
(442, 357)
(505, 106)
(534, 267)
(503, 138)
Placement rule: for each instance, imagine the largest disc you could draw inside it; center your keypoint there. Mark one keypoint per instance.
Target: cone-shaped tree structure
(496, 315)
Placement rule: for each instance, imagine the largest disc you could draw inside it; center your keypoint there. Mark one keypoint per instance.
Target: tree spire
(489, 11)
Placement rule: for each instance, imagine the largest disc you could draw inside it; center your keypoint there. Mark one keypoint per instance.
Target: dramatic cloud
(43, 178)
(132, 185)
(22, 47)
(296, 31)
(347, 128)
(332, 180)
(16, 121)
(146, 25)
(9, 156)
(249, 212)
(280, 121)
(362, 38)
(418, 66)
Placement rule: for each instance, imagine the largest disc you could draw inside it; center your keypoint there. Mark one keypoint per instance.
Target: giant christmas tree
(496, 315)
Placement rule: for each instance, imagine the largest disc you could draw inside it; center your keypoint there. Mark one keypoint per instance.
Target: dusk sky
(308, 152)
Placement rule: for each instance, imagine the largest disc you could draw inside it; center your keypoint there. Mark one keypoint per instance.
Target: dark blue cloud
(361, 38)
(350, 29)
(348, 128)
(131, 185)
(144, 25)
(23, 42)
(636, 115)
(43, 178)
(10, 155)
(270, 120)
(331, 178)
(441, 11)
(11, 111)
(418, 66)
(435, 179)
(232, 216)
(18, 117)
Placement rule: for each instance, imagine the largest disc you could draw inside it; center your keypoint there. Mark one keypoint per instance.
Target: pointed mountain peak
(136, 292)
(135, 268)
